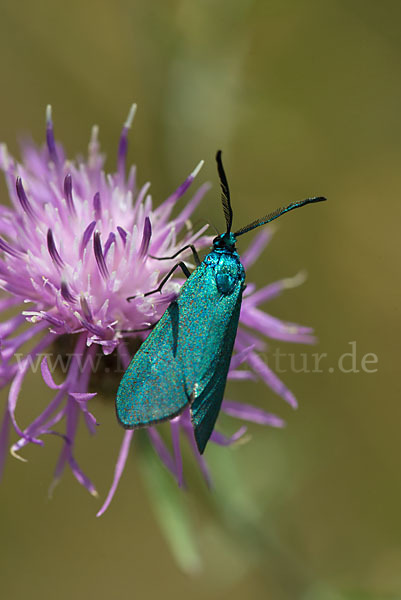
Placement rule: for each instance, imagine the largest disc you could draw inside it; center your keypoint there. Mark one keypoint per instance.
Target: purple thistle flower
(75, 243)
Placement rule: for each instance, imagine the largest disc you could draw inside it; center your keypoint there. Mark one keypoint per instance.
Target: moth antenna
(225, 192)
(276, 214)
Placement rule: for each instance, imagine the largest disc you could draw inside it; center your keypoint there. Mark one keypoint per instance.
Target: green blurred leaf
(170, 507)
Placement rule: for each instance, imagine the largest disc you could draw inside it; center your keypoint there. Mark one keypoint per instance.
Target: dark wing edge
(205, 408)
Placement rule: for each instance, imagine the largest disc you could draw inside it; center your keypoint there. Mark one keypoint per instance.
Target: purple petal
(51, 246)
(52, 320)
(124, 354)
(119, 469)
(266, 293)
(274, 289)
(26, 205)
(190, 207)
(10, 326)
(122, 153)
(6, 303)
(251, 413)
(80, 476)
(38, 423)
(249, 289)
(56, 418)
(5, 247)
(110, 240)
(86, 311)
(180, 191)
(12, 344)
(147, 234)
(66, 294)
(97, 206)
(86, 366)
(86, 237)
(271, 379)
(131, 182)
(90, 421)
(13, 399)
(241, 375)
(108, 346)
(82, 398)
(51, 143)
(41, 424)
(97, 249)
(65, 454)
(222, 440)
(240, 357)
(68, 193)
(7, 372)
(72, 415)
(140, 198)
(47, 377)
(165, 209)
(256, 247)
(94, 329)
(274, 328)
(245, 338)
(162, 451)
(123, 145)
(123, 234)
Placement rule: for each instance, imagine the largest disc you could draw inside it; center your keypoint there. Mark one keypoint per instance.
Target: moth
(185, 359)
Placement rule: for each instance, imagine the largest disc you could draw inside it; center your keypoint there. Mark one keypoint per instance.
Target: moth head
(225, 241)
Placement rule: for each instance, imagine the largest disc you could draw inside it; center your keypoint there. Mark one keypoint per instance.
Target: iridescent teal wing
(208, 322)
(207, 399)
(185, 359)
(152, 388)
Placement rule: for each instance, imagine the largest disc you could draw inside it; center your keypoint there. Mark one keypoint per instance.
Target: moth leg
(182, 266)
(193, 249)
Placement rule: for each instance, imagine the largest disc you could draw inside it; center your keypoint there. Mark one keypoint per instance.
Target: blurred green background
(304, 98)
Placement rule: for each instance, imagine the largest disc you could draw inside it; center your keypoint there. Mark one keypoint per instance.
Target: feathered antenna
(276, 214)
(225, 193)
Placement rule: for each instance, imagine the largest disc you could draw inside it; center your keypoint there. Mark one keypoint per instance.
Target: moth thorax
(227, 273)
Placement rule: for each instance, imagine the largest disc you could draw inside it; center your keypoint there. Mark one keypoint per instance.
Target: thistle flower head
(74, 244)
(78, 241)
